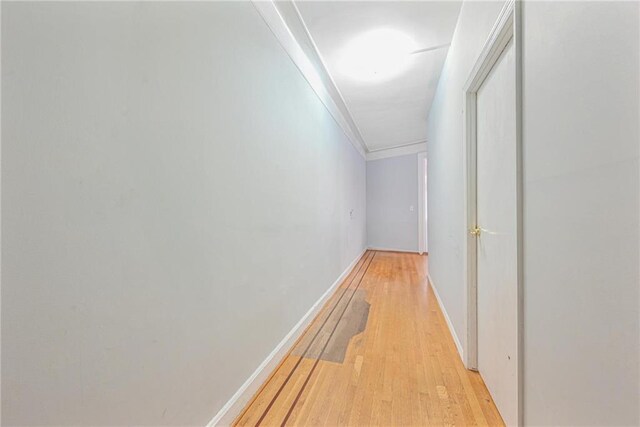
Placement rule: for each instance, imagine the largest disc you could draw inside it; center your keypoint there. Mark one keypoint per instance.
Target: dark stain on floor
(352, 323)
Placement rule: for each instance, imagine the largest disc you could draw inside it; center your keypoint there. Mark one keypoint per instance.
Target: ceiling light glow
(377, 55)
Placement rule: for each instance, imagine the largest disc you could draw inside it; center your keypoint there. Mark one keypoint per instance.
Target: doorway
(493, 205)
(423, 245)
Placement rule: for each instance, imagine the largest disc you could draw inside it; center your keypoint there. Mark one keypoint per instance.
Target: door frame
(507, 27)
(422, 191)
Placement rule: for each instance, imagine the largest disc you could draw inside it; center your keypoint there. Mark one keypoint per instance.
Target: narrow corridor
(379, 353)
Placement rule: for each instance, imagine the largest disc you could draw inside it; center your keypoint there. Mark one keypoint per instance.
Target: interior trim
(319, 80)
(323, 64)
(243, 395)
(508, 27)
(398, 150)
(456, 340)
(405, 144)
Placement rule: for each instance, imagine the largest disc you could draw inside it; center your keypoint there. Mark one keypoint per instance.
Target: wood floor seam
(365, 258)
(327, 342)
(396, 363)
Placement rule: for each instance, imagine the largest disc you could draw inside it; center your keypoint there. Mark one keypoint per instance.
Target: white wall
(446, 219)
(392, 188)
(581, 146)
(175, 197)
(581, 231)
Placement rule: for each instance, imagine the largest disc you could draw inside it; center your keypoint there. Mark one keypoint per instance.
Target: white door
(497, 243)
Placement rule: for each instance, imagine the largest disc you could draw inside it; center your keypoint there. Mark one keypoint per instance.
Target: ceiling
(390, 113)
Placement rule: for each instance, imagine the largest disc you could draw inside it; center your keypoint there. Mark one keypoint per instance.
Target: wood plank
(403, 369)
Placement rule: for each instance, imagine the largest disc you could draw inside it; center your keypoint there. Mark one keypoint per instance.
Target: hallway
(214, 213)
(379, 353)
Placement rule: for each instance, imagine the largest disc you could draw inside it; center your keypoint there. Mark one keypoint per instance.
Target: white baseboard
(372, 248)
(239, 400)
(446, 317)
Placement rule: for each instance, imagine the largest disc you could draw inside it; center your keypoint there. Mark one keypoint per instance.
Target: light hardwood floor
(379, 353)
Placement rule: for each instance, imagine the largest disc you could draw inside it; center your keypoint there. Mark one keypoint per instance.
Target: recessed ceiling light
(377, 55)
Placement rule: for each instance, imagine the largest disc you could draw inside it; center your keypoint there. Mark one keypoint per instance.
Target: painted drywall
(446, 219)
(581, 147)
(581, 231)
(392, 189)
(175, 198)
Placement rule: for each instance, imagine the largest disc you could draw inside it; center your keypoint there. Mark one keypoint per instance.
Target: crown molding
(336, 92)
(398, 150)
(308, 60)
